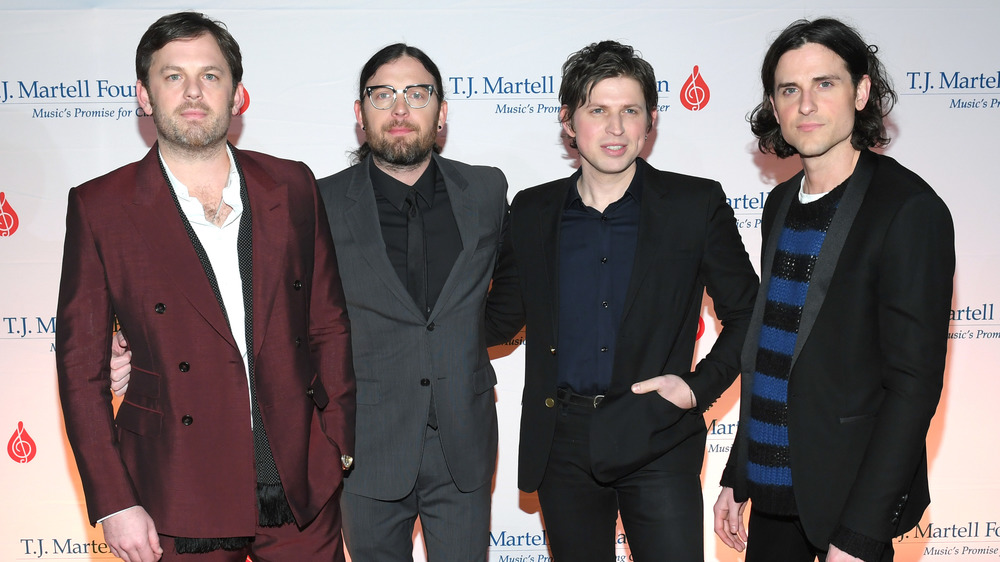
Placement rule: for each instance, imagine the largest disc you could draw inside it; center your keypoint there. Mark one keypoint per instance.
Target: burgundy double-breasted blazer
(181, 443)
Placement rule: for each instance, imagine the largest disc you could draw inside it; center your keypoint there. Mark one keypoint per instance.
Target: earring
(363, 128)
(440, 127)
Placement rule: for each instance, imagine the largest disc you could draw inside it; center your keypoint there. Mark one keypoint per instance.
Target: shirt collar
(634, 190)
(396, 191)
(193, 208)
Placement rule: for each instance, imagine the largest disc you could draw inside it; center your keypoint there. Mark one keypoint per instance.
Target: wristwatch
(346, 461)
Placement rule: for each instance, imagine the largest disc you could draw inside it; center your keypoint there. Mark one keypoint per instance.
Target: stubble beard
(192, 137)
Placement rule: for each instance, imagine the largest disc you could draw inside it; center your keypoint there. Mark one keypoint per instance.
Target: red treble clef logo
(21, 446)
(8, 218)
(695, 94)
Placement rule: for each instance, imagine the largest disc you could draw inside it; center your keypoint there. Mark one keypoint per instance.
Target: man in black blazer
(607, 269)
(843, 366)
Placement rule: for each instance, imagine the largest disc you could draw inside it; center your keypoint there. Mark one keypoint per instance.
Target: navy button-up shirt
(596, 253)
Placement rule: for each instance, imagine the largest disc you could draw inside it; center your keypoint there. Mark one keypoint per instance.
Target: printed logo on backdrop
(531, 95)
(29, 328)
(59, 549)
(21, 447)
(78, 99)
(695, 93)
(8, 218)
(969, 91)
(89, 98)
(748, 209)
(965, 538)
(720, 436)
(975, 322)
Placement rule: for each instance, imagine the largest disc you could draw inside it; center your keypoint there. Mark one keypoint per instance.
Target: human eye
(788, 91)
(382, 93)
(211, 77)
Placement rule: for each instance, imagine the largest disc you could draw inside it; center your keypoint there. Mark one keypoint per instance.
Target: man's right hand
(729, 520)
(132, 536)
(121, 364)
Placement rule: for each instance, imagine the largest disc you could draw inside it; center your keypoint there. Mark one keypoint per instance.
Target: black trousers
(774, 537)
(661, 509)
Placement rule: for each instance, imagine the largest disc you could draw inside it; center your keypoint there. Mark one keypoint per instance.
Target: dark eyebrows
(209, 68)
(816, 80)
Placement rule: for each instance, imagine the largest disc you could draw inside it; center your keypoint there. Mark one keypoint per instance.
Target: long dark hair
(861, 59)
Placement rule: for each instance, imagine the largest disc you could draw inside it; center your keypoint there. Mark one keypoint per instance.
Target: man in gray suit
(417, 237)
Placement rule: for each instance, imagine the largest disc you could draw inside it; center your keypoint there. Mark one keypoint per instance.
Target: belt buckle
(597, 399)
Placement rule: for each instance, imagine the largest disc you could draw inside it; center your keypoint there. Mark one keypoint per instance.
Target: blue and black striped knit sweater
(769, 471)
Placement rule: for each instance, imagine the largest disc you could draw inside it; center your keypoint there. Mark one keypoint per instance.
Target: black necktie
(416, 262)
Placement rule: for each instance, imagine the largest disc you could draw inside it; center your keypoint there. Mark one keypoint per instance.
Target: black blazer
(869, 361)
(687, 241)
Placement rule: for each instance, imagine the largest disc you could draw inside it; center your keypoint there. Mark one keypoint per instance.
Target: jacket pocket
(368, 391)
(484, 379)
(139, 420)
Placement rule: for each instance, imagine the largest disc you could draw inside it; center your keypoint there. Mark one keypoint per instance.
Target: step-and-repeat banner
(68, 113)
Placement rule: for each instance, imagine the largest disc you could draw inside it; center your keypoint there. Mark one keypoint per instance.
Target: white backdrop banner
(68, 113)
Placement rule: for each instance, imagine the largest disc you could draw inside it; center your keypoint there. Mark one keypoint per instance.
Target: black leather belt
(575, 399)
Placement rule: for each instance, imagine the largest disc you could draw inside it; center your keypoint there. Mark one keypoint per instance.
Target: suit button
(549, 403)
(187, 420)
(298, 342)
(297, 285)
(552, 350)
(604, 349)
(184, 366)
(430, 327)
(425, 382)
(310, 392)
(160, 308)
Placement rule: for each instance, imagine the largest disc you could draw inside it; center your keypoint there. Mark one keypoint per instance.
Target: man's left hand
(837, 555)
(669, 387)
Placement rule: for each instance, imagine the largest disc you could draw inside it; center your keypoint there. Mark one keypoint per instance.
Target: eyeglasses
(384, 97)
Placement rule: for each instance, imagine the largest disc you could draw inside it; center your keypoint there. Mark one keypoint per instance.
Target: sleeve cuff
(857, 545)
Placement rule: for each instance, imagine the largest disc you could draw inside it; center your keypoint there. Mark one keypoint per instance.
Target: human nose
(806, 103)
(615, 126)
(399, 105)
(192, 89)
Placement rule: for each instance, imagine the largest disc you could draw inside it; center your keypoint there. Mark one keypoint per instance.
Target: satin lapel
(467, 217)
(836, 235)
(749, 358)
(361, 216)
(271, 229)
(155, 218)
(548, 220)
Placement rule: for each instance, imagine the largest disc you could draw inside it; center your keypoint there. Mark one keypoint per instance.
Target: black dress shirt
(443, 242)
(596, 254)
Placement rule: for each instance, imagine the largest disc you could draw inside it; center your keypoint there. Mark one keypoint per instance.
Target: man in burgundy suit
(220, 268)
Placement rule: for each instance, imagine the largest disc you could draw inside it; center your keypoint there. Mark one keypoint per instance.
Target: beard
(402, 152)
(178, 131)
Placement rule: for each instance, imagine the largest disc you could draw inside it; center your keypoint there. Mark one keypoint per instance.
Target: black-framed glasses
(416, 95)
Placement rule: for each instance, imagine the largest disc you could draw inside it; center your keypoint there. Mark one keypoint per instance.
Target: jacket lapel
(271, 228)
(466, 212)
(155, 218)
(362, 220)
(653, 221)
(829, 254)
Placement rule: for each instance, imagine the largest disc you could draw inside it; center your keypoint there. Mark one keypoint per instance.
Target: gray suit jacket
(401, 357)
